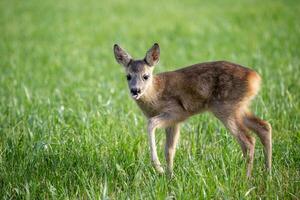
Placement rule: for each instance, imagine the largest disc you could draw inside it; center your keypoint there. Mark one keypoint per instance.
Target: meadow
(70, 130)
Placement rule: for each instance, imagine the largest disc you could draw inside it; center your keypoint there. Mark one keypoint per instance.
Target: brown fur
(221, 87)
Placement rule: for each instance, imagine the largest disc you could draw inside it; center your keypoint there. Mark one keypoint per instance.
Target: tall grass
(68, 128)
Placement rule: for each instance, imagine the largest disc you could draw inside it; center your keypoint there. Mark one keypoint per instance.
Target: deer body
(168, 98)
(197, 88)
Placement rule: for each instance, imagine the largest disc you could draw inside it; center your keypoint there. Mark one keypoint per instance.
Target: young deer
(168, 98)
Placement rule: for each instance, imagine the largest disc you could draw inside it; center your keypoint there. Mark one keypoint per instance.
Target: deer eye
(128, 77)
(146, 77)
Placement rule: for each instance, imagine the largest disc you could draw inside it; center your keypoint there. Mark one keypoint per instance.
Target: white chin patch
(136, 97)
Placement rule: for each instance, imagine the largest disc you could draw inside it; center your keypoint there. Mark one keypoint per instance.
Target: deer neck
(152, 92)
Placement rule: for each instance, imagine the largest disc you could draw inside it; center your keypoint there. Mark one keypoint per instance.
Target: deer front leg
(172, 136)
(162, 120)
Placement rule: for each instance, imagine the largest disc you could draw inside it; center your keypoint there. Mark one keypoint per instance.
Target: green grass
(69, 129)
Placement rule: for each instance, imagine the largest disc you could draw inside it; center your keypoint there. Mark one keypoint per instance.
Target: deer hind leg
(264, 131)
(246, 141)
(234, 123)
(172, 136)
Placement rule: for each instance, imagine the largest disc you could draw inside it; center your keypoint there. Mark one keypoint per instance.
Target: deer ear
(152, 56)
(122, 57)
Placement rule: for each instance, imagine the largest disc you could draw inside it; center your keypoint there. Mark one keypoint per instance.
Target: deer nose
(135, 91)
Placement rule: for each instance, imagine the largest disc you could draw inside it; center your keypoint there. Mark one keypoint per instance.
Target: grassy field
(69, 129)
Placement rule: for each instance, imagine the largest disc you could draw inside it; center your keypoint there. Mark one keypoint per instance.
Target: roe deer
(168, 98)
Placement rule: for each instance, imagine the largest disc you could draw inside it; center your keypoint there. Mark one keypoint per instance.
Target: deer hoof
(159, 169)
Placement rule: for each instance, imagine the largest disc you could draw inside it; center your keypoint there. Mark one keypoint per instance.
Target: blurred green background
(69, 129)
